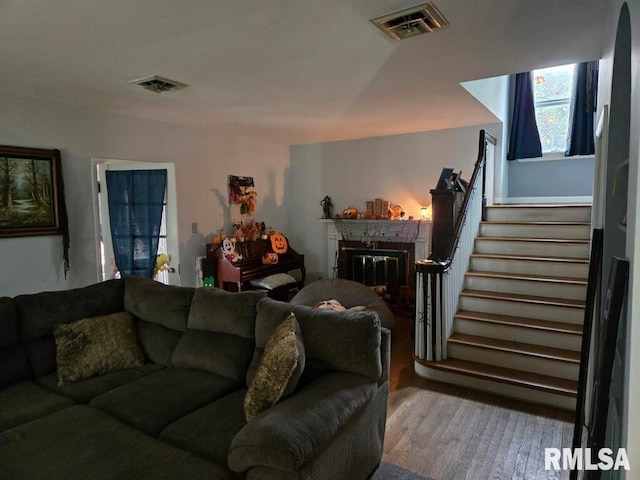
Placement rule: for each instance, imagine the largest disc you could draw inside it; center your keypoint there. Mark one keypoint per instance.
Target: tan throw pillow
(95, 346)
(279, 370)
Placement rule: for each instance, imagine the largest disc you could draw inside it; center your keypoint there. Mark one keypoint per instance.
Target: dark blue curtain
(524, 140)
(135, 212)
(583, 108)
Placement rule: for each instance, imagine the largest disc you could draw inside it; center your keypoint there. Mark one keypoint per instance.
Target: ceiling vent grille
(157, 84)
(412, 21)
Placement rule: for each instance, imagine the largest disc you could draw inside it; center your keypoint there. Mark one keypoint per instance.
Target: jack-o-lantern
(279, 243)
(270, 258)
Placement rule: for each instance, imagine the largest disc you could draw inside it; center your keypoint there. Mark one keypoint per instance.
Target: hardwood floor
(451, 433)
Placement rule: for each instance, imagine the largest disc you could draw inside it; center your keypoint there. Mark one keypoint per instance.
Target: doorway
(168, 241)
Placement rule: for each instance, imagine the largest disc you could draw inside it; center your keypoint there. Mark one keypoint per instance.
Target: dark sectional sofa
(180, 414)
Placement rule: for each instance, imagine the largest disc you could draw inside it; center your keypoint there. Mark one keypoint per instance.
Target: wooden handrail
(442, 264)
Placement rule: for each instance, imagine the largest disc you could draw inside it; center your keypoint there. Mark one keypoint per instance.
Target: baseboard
(543, 200)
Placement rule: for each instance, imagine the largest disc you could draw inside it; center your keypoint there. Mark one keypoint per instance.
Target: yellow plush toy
(163, 262)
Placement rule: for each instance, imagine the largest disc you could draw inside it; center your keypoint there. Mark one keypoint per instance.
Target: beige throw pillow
(95, 346)
(279, 370)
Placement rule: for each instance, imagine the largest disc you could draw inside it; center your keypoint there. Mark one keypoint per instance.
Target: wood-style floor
(451, 433)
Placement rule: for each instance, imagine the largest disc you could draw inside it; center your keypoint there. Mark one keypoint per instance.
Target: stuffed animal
(229, 250)
(163, 262)
(336, 306)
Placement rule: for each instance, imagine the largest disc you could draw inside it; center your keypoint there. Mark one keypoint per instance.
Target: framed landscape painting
(29, 191)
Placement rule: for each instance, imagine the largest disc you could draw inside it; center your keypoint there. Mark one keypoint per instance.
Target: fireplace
(361, 249)
(389, 264)
(376, 267)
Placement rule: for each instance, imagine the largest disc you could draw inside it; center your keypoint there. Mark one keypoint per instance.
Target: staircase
(518, 328)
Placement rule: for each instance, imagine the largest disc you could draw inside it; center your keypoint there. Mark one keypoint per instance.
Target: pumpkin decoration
(270, 258)
(279, 243)
(350, 212)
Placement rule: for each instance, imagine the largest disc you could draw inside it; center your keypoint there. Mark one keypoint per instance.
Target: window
(552, 89)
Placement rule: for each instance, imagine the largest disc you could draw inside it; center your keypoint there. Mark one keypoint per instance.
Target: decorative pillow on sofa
(279, 370)
(95, 346)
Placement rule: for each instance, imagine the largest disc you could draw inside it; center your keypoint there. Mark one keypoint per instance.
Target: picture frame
(30, 190)
(613, 304)
(585, 376)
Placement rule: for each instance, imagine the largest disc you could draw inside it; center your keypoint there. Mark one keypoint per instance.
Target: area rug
(388, 471)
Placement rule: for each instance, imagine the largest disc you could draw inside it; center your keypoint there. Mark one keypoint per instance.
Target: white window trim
(554, 156)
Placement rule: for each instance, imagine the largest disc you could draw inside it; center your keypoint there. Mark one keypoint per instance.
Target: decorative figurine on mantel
(326, 207)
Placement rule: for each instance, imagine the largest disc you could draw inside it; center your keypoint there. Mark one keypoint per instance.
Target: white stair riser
(527, 287)
(535, 336)
(578, 232)
(532, 267)
(536, 249)
(498, 388)
(539, 214)
(523, 309)
(515, 361)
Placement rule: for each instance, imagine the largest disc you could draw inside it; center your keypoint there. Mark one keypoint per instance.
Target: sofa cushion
(158, 342)
(89, 388)
(154, 401)
(225, 355)
(157, 303)
(25, 401)
(220, 334)
(83, 442)
(344, 341)
(209, 430)
(216, 310)
(95, 346)
(38, 313)
(279, 370)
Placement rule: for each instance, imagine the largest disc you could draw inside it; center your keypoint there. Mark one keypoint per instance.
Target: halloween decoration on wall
(279, 243)
(242, 192)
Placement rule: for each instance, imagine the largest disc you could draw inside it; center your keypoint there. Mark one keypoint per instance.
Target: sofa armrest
(385, 354)
(291, 432)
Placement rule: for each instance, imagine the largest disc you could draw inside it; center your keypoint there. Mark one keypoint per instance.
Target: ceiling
(299, 71)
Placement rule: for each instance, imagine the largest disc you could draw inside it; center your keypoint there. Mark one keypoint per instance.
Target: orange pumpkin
(270, 258)
(279, 243)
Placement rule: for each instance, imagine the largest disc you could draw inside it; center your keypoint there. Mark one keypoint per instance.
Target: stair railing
(440, 280)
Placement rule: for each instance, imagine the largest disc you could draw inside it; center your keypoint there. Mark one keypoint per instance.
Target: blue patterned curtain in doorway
(524, 140)
(135, 200)
(583, 108)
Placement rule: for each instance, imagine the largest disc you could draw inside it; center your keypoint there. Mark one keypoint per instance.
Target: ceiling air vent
(411, 21)
(157, 84)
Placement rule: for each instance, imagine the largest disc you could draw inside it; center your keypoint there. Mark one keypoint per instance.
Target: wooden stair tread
(540, 351)
(529, 277)
(545, 223)
(542, 205)
(560, 327)
(517, 297)
(535, 381)
(496, 256)
(533, 239)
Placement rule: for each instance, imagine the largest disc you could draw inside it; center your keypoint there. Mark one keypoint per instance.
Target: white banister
(439, 282)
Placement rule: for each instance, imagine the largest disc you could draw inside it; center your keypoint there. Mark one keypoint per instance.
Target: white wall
(398, 168)
(493, 93)
(203, 161)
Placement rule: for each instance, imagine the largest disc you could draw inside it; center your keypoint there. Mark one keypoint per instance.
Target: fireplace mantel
(362, 228)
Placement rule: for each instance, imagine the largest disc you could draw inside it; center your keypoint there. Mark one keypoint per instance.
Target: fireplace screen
(377, 267)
